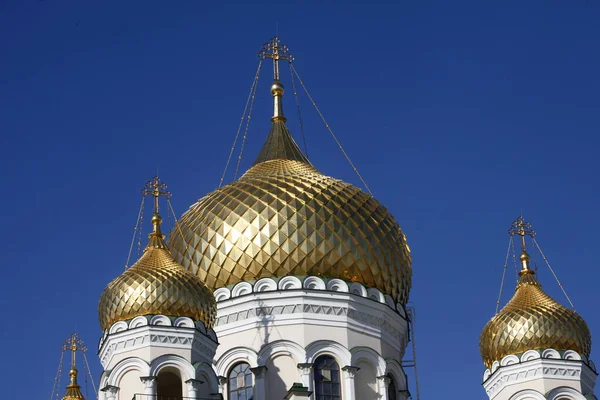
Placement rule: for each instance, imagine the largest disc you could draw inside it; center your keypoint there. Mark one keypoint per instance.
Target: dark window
(168, 386)
(327, 379)
(392, 391)
(240, 382)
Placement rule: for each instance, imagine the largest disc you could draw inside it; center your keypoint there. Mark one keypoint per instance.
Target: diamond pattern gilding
(533, 320)
(156, 284)
(283, 217)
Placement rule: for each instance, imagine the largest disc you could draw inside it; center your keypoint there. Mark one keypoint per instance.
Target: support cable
(510, 241)
(57, 378)
(141, 224)
(514, 256)
(330, 130)
(87, 365)
(187, 249)
(552, 270)
(137, 226)
(299, 114)
(250, 96)
(248, 120)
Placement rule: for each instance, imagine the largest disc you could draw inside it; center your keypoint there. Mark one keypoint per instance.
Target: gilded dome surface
(283, 217)
(156, 284)
(533, 320)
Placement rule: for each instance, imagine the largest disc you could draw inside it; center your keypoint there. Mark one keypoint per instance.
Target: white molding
(528, 394)
(114, 376)
(564, 371)
(371, 356)
(564, 393)
(273, 349)
(235, 356)
(185, 368)
(314, 307)
(287, 283)
(329, 347)
(201, 346)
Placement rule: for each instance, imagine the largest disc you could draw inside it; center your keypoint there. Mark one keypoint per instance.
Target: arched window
(240, 383)
(168, 385)
(392, 391)
(327, 379)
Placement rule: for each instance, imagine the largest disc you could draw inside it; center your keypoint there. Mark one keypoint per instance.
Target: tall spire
(74, 344)
(156, 188)
(279, 143)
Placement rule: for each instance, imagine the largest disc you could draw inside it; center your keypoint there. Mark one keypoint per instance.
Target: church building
(291, 284)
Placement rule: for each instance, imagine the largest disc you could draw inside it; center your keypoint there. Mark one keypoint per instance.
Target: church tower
(535, 348)
(311, 276)
(157, 319)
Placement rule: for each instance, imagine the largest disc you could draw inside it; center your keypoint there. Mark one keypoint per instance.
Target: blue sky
(458, 114)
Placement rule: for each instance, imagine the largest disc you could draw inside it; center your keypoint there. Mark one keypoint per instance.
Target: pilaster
(349, 374)
(110, 392)
(259, 382)
(306, 372)
(149, 384)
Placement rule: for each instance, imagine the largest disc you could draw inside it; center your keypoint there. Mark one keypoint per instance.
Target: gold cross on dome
(156, 188)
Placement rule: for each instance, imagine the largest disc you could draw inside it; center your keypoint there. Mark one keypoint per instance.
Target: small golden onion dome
(73, 389)
(532, 320)
(283, 217)
(156, 284)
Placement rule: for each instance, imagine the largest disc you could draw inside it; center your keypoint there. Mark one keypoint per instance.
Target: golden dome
(156, 284)
(532, 320)
(283, 217)
(73, 389)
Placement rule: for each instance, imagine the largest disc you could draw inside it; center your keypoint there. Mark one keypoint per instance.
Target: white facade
(280, 327)
(156, 356)
(541, 375)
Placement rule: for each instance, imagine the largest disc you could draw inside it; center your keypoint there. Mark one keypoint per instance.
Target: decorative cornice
(307, 283)
(159, 331)
(538, 364)
(315, 309)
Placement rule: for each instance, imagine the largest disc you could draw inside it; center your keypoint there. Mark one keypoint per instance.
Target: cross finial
(522, 228)
(74, 344)
(156, 188)
(275, 50)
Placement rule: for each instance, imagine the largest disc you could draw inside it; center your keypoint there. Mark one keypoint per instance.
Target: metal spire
(275, 51)
(156, 188)
(74, 344)
(522, 228)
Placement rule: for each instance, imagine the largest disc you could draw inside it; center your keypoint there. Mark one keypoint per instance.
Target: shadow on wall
(282, 371)
(365, 381)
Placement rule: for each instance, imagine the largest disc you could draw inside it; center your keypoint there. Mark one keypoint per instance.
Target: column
(149, 384)
(349, 373)
(223, 386)
(306, 374)
(111, 392)
(384, 382)
(259, 382)
(193, 388)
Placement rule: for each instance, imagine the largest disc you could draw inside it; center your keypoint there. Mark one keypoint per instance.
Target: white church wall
(282, 372)
(365, 381)
(129, 385)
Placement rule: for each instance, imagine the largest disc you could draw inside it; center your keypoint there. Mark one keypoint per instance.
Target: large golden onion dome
(532, 320)
(156, 284)
(283, 217)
